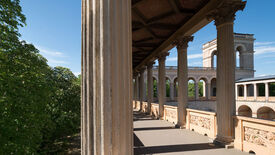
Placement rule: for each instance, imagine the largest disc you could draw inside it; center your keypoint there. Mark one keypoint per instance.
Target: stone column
(136, 90)
(162, 86)
(141, 88)
(266, 91)
(208, 91)
(106, 93)
(224, 16)
(255, 91)
(171, 90)
(245, 92)
(182, 44)
(196, 91)
(150, 86)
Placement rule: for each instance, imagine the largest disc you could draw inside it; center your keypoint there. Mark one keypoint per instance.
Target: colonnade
(106, 111)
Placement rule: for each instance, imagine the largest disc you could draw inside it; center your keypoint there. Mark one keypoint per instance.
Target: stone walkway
(160, 137)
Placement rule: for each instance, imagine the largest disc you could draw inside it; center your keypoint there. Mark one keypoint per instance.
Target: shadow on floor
(173, 148)
(154, 128)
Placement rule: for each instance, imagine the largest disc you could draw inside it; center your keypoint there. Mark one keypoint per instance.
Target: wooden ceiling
(154, 21)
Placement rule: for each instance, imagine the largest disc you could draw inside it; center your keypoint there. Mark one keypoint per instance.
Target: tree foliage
(38, 104)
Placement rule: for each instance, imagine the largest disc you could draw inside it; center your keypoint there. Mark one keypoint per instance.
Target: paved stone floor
(160, 137)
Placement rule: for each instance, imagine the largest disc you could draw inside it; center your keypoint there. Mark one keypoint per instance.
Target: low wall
(202, 122)
(171, 114)
(255, 135)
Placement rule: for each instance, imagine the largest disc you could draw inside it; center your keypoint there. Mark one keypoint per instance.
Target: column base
(224, 141)
(180, 126)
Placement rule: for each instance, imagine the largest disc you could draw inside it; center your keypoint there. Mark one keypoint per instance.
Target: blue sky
(54, 27)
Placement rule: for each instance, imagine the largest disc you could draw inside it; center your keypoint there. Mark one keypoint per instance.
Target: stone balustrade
(254, 135)
(202, 122)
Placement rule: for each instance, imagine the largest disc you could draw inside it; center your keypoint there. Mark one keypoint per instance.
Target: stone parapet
(255, 135)
(202, 122)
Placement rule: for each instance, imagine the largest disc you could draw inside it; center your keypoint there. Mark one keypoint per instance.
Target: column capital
(142, 69)
(150, 65)
(182, 42)
(225, 13)
(162, 56)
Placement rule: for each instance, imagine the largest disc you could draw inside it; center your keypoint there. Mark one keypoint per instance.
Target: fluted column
(162, 86)
(182, 44)
(106, 92)
(171, 90)
(150, 86)
(196, 90)
(224, 17)
(136, 90)
(141, 88)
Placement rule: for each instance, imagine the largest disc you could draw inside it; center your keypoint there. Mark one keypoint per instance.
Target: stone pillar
(255, 91)
(196, 91)
(171, 90)
(245, 92)
(106, 92)
(136, 90)
(161, 84)
(208, 91)
(224, 16)
(266, 91)
(141, 89)
(150, 86)
(182, 44)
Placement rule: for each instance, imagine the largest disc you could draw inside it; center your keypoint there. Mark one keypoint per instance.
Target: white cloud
(77, 73)
(264, 49)
(172, 59)
(194, 56)
(50, 52)
(196, 63)
(264, 43)
(56, 62)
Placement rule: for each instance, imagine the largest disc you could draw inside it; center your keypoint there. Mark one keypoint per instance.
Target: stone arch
(244, 110)
(213, 85)
(266, 113)
(155, 77)
(202, 86)
(239, 48)
(214, 58)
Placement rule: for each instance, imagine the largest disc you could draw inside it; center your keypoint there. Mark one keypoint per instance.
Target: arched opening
(213, 87)
(214, 59)
(191, 88)
(155, 87)
(176, 85)
(167, 83)
(244, 110)
(239, 57)
(266, 113)
(202, 87)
